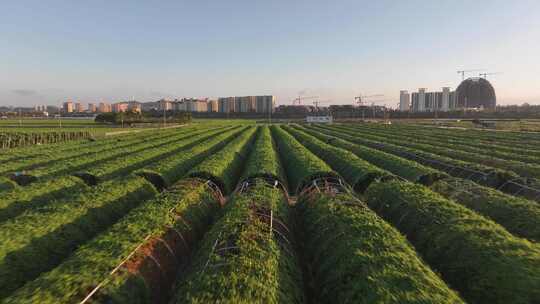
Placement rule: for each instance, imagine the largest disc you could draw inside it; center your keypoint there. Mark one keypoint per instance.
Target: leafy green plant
(39, 239)
(356, 257)
(356, 171)
(263, 160)
(519, 216)
(167, 171)
(476, 256)
(246, 257)
(404, 168)
(225, 166)
(481, 174)
(301, 165)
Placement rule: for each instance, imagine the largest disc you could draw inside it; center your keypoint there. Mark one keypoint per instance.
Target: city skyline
(60, 50)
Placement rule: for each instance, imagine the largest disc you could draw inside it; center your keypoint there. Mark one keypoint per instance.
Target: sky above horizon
(53, 51)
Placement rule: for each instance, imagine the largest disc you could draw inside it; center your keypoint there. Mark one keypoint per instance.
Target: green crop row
(142, 157)
(27, 155)
(356, 257)
(356, 171)
(481, 174)
(519, 216)
(6, 185)
(399, 166)
(170, 169)
(92, 263)
(508, 139)
(247, 257)
(497, 173)
(488, 150)
(18, 139)
(51, 157)
(39, 194)
(80, 163)
(39, 239)
(263, 160)
(523, 169)
(49, 152)
(476, 256)
(496, 148)
(224, 167)
(300, 164)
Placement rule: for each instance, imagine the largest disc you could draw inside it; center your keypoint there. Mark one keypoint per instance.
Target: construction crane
(383, 102)
(317, 102)
(462, 72)
(298, 100)
(361, 99)
(485, 75)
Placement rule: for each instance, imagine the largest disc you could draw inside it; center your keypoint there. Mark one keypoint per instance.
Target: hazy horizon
(87, 51)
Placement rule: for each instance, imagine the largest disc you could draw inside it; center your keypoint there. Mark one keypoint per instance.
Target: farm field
(26, 132)
(240, 212)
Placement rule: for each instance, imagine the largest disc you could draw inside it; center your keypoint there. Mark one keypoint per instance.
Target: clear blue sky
(88, 50)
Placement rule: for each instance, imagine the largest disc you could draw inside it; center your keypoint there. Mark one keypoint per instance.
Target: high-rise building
(226, 104)
(212, 106)
(265, 104)
(165, 104)
(104, 107)
(258, 104)
(246, 104)
(92, 108)
(67, 107)
(196, 105)
(445, 106)
(421, 100)
(404, 101)
(442, 101)
(120, 107)
(79, 107)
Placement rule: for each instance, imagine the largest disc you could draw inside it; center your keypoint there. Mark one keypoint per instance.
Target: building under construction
(472, 93)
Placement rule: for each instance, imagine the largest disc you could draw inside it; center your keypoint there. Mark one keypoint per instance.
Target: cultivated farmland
(250, 213)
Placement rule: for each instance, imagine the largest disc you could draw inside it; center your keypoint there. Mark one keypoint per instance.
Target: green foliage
(131, 117)
(38, 194)
(300, 164)
(356, 171)
(263, 160)
(22, 139)
(53, 159)
(356, 257)
(170, 169)
(407, 169)
(464, 142)
(39, 239)
(519, 216)
(93, 261)
(528, 170)
(225, 166)
(426, 155)
(476, 256)
(242, 260)
(6, 185)
(136, 157)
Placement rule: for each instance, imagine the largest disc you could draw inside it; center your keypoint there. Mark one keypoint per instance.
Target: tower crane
(298, 100)
(485, 75)
(361, 99)
(317, 102)
(383, 102)
(462, 72)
